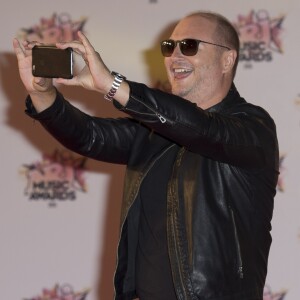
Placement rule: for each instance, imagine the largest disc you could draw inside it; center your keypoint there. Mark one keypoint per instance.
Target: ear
(228, 60)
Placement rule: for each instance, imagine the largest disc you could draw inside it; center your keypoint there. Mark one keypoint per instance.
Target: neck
(213, 95)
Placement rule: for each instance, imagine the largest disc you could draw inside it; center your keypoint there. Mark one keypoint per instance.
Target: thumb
(42, 84)
(39, 81)
(64, 81)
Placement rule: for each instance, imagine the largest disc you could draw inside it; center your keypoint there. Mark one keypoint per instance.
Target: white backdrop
(60, 214)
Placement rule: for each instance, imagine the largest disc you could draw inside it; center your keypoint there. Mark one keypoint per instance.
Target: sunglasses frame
(181, 43)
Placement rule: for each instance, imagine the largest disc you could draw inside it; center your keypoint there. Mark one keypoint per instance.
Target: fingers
(28, 45)
(23, 48)
(81, 46)
(63, 81)
(77, 46)
(18, 49)
(86, 43)
(39, 81)
(42, 84)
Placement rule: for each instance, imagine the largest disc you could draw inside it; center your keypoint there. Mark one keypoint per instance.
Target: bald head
(224, 32)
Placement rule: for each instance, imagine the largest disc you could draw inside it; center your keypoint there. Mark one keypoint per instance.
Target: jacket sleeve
(241, 134)
(102, 139)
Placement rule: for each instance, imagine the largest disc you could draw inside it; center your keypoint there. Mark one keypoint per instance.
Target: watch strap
(118, 79)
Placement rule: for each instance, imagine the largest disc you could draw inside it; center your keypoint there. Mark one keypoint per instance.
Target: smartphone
(52, 62)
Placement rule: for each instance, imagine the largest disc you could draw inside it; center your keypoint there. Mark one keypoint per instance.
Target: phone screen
(52, 62)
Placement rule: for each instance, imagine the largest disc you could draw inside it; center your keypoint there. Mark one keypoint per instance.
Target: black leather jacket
(220, 194)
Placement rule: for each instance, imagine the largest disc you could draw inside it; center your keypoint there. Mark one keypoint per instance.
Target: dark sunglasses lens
(189, 47)
(167, 47)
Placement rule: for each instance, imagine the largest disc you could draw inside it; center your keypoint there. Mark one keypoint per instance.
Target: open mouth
(181, 73)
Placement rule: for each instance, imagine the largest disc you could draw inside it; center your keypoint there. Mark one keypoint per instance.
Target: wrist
(117, 81)
(43, 99)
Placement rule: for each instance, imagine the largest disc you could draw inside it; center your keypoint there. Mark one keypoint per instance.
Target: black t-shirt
(153, 271)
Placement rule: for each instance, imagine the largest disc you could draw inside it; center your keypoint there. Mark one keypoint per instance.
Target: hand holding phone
(51, 62)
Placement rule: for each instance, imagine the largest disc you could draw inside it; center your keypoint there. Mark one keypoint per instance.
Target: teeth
(180, 70)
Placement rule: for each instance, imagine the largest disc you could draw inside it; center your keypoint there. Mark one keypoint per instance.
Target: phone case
(52, 62)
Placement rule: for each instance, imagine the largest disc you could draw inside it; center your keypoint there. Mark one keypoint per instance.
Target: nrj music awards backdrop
(59, 211)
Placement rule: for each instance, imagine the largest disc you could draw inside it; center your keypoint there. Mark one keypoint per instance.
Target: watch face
(118, 75)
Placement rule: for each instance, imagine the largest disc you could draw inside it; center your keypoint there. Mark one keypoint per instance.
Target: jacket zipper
(160, 117)
(175, 239)
(135, 196)
(238, 247)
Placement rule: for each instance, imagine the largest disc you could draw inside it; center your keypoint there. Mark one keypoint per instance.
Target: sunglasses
(188, 47)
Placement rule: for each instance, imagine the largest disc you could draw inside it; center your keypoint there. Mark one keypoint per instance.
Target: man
(202, 165)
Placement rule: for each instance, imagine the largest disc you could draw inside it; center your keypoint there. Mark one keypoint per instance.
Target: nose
(177, 51)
